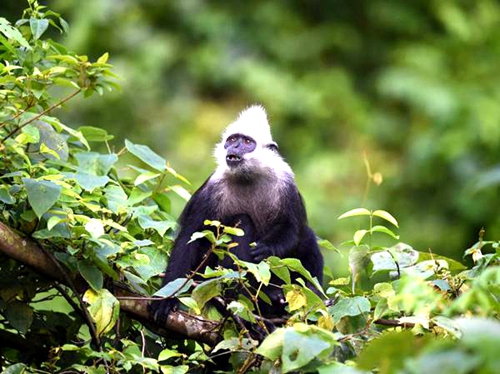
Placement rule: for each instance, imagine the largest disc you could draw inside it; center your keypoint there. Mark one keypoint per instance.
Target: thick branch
(178, 322)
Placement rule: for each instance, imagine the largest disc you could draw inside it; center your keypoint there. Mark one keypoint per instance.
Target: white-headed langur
(254, 189)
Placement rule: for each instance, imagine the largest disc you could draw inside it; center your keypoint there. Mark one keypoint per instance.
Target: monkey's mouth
(233, 160)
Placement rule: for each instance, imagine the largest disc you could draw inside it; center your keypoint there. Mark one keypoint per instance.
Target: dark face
(237, 145)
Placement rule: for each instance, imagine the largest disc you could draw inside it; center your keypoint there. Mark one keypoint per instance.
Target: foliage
(414, 84)
(104, 218)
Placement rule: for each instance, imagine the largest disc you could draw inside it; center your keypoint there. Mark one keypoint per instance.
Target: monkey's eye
(273, 147)
(231, 139)
(248, 141)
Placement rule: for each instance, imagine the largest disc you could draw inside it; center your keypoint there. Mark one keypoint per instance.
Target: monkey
(253, 188)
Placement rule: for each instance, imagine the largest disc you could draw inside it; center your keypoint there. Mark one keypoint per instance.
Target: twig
(394, 323)
(87, 318)
(41, 114)
(4, 123)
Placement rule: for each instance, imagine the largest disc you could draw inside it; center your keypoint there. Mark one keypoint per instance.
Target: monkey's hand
(160, 309)
(260, 252)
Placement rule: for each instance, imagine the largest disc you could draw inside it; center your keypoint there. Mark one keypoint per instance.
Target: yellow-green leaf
(355, 212)
(387, 216)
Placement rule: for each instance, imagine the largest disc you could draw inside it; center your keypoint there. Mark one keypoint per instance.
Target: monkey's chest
(258, 203)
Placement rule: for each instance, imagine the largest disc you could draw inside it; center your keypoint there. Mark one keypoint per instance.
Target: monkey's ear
(273, 146)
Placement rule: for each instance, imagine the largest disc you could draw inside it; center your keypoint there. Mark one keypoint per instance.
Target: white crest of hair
(263, 161)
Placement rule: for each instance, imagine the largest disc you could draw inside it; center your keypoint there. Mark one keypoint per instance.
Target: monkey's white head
(247, 148)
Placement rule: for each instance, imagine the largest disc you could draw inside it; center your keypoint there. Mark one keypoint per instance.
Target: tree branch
(178, 322)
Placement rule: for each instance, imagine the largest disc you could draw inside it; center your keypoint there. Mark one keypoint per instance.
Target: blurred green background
(413, 84)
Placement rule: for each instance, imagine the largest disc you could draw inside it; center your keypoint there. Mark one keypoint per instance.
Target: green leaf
(5, 196)
(384, 230)
(204, 234)
(176, 287)
(234, 231)
(89, 182)
(104, 309)
(12, 33)
(95, 134)
(15, 369)
(272, 346)
(299, 349)
(390, 351)
(42, 195)
(359, 235)
(91, 274)
(181, 191)
(355, 213)
(38, 27)
(206, 291)
(117, 199)
(295, 299)
(352, 306)
(20, 315)
(157, 263)
(325, 244)
(161, 227)
(146, 155)
(387, 216)
(95, 163)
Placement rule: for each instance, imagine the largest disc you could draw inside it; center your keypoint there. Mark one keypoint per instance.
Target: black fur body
(257, 196)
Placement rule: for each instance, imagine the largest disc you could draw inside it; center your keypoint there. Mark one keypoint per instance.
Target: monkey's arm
(282, 236)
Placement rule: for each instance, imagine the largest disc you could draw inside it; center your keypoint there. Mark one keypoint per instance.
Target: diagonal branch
(178, 322)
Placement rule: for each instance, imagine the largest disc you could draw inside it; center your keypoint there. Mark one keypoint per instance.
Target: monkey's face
(237, 146)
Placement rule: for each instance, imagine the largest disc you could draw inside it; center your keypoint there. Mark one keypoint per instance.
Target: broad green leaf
(12, 33)
(42, 195)
(390, 351)
(161, 227)
(157, 263)
(103, 59)
(104, 309)
(176, 287)
(204, 234)
(325, 244)
(144, 177)
(299, 349)
(359, 235)
(168, 353)
(163, 202)
(95, 134)
(181, 191)
(53, 221)
(234, 231)
(278, 269)
(38, 27)
(19, 315)
(89, 182)
(387, 216)
(16, 368)
(5, 196)
(352, 306)
(117, 199)
(355, 213)
(146, 155)
(91, 274)
(295, 299)
(95, 163)
(384, 230)
(272, 346)
(206, 291)
(399, 256)
(260, 271)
